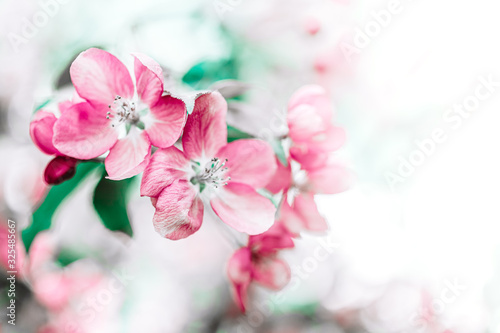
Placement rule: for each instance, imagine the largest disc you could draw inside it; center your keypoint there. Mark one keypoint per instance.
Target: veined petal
(98, 76)
(42, 132)
(83, 132)
(148, 78)
(271, 272)
(249, 161)
(239, 271)
(165, 123)
(242, 208)
(129, 156)
(166, 166)
(179, 211)
(206, 130)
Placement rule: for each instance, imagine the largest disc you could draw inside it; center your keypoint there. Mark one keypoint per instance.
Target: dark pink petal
(241, 207)
(313, 95)
(166, 166)
(305, 207)
(129, 156)
(148, 78)
(98, 76)
(83, 132)
(249, 161)
(166, 121)
(330, 179)
(206, 130)
(42, 132)
(60, 169)
(282, 178)
(179, 211)
(276, 238)
(271, 272)
(239, 271)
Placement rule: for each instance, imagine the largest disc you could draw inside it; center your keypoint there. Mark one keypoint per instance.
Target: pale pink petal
(271, 272)
(282, 178)
(305, 207)
(249, 161)
(330, 179)
(241, 207)
(313, 95)
(98, 76)
(305, 123)
(289, 218)
(166, 166)
(309, 159)
(239, 271)
(148, 78)
(179, 211)
(83, 132)
(42, 132)
(206, 130)
(330, 140)
(129, 156)
(166, 121)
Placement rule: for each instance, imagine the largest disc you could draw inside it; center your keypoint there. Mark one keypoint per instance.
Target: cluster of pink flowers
(193, 167)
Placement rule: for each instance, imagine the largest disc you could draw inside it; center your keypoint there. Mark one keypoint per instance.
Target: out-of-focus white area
(400, 245)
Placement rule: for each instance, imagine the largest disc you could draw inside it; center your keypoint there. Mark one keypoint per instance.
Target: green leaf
(42, 217)
(279, 151)
(42, 105)
(68, 256)
(205, 73)
(110, 201)
(234, 134)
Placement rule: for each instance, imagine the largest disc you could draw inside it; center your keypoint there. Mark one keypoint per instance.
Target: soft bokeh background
(400, 250)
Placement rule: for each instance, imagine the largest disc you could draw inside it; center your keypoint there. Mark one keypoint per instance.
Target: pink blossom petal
(149, 79)
(42, 132)
(166, 166)
(249, 161)
(206, 130)
(276, 238)
(289, 218)
(83, 132)
(60, 169)
(166, 121)
(282, 178)
(239, 271)
(98, 76)
(304, 123)
(305, 207)
(330, 179)
(179, 211)
(313, 95)
(241, 207)
(129, 156)
(272, 273)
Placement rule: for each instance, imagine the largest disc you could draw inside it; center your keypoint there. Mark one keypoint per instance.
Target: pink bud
(60, 169)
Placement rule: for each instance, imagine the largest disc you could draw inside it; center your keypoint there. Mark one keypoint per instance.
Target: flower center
(213, 174)
(122, 111)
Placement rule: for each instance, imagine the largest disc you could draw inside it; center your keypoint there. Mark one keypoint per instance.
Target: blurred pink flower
(258, 262)
(225, 174)
(110, 110)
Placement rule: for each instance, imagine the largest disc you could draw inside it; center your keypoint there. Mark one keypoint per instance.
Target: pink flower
(258, 262)
(61, 168)
(310, 127)
(226, 175)
(113, 118)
